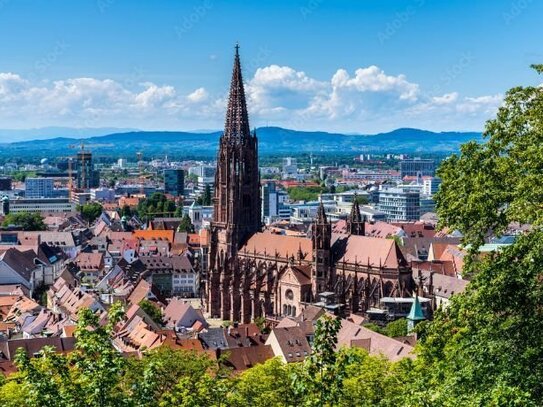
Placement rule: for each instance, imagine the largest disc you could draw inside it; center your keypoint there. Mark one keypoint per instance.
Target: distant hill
(272, 140)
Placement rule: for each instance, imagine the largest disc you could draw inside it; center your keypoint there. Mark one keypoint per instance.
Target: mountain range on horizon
(272, 140)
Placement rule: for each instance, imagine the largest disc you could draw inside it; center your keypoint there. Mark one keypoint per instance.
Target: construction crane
(70, 175)
(139, 155)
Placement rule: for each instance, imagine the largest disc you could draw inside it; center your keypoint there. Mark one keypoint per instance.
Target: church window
(289, 295)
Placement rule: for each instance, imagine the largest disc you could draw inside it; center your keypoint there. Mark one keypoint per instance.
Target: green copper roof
(416, 311)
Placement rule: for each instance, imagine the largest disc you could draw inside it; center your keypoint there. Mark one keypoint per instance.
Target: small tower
(322, 279)
(356, 224)
(5, 205)
(415, 315)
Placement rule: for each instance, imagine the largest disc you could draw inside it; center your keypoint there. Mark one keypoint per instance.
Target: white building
(102, 194)
(42, 205)
(400, 204)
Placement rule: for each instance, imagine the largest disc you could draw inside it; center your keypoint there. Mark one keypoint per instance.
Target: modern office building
(5, 184)
(42, 205)
(290, 167)
(39, 188)
(174, 182)
(274, 203)
(400, 204)
(417, 166)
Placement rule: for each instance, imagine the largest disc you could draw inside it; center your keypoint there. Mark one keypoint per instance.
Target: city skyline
(403, 64)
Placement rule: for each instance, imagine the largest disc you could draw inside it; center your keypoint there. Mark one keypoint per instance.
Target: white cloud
(199, 95)
(368, 100)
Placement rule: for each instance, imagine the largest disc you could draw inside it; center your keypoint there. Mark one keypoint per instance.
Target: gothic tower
(356, 224)
(236, 201)
(322, 279)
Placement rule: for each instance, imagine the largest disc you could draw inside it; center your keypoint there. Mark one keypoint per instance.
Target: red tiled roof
(284, 245)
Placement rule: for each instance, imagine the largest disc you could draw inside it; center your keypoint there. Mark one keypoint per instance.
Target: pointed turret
(415, 315)
(356, 223)
(237, 119)
(321, 215)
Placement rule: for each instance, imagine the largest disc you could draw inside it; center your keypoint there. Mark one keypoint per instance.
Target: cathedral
(255, 273)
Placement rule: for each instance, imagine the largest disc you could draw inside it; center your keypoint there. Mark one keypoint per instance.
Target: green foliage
(362, 199)
(152, 310)
(265, 385)
(396, 328)
(88, 376)
(27, 220)
(13, 393)
(260, 322)
(156, 205)
(321, 380)
(305, 193)
(375, 328)
(186, 225)
(21, 176)
(485, 345)
(392, 329)
(90, 211)
(206, 198)
(126, 211)
(490, 185)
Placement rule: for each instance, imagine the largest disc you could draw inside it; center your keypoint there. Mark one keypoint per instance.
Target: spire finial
(237, 118)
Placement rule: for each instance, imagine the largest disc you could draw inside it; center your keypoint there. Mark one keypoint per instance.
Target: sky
(334, 65)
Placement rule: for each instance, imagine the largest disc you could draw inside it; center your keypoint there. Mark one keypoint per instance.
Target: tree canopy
(27, 220)
(90, 211)
(489, 185)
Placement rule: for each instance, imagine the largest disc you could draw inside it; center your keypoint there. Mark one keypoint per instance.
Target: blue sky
(352, 66)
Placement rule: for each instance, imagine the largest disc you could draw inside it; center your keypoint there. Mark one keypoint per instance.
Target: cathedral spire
(237, 118)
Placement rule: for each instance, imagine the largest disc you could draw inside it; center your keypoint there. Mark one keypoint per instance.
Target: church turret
(322, 279)
(356, 223)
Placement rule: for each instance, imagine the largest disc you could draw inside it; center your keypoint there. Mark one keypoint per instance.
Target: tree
(26, 220)
(178, 211)
(186, 225)
(90, 211)
(265, 385)
(156, 205)
(490, 185)
(396, 328)
(206, 198)
(305, 193)
(89, 376)
(485, 346)
(320, 382)
(126, 211)
(152, 310)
